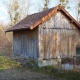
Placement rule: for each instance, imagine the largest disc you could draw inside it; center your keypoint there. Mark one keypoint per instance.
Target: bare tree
(79, 12)
(17, 10)
(46, 5)
(64, 3)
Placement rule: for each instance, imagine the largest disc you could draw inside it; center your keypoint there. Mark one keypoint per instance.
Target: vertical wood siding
(26, 43)
(58, 38)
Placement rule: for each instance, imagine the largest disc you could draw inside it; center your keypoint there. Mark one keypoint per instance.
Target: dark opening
(78, 50)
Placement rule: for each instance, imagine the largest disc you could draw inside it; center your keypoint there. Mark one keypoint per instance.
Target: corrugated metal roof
(31, 20)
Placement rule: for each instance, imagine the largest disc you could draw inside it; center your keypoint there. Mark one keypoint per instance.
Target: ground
(12, 70)
(18, 74)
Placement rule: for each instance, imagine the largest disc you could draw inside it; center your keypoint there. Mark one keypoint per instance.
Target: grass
(6, 62)
(68, 75)
(58, 74)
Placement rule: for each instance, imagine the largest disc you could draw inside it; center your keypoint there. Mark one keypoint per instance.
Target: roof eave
(17, 30)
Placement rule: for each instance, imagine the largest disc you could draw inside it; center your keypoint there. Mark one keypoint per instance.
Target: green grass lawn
(7, 63)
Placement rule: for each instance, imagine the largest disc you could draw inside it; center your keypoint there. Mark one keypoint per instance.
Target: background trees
(17, 10)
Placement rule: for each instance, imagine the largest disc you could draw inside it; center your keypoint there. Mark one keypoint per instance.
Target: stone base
(41, 63)
(54, 62)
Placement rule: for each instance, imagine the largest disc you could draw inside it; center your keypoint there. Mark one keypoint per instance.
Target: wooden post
(74, 62)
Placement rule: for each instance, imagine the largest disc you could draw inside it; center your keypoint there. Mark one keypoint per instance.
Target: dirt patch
(22, 74)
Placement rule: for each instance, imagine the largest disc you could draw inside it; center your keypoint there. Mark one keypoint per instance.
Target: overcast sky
(4, 16)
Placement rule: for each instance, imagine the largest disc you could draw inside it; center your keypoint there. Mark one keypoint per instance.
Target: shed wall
(58, 38)
(26, 43)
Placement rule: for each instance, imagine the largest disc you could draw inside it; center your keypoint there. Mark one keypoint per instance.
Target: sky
(36, 6)
(4, 16)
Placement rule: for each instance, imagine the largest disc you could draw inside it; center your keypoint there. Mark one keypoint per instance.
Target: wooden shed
(47, 36)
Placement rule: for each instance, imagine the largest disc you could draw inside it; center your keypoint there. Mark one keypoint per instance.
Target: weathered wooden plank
(55, 38)
(56, 21)
(23, 45)
(65, 43)
(45, 44)
(36, 55)
(47, 47)
(70, 43)
(49, 23)
(53, 18)
(19, 45)
(16, 46)
(57, 43)
(43, 25)
(50, 48)
(49, 38)
(54, 43)
(41, 44)
(73, 44)
(62, 43)
(27, 47)
(39, 35)
(31, 48)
